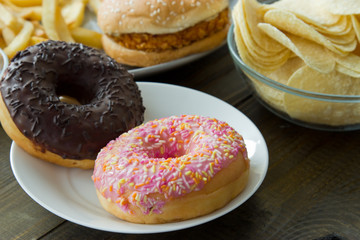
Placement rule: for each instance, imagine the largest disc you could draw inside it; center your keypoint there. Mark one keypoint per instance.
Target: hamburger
(148, 32)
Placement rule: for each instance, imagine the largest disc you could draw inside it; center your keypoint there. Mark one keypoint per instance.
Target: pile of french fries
(27, 22)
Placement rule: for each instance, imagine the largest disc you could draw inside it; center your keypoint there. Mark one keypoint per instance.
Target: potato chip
(249, 54)
(342, 27)
(351, 61)
(257, 52)
(310, 11)
(320, 111)
(344, 39)
(253, 16)
(347, 71)
(317, 16)
(342, 8)
(287, 21)
(261, 60)
(356, 24)
(248, 59)
(283, 73)
(313, 54)
(357, 50)
(270, 95)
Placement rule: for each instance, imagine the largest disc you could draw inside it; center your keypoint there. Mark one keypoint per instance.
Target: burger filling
(160, 42)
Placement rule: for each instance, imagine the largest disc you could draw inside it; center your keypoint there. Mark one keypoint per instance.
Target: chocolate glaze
(38, 76)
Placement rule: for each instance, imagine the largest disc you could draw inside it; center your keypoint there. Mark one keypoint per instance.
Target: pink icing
(171, 156)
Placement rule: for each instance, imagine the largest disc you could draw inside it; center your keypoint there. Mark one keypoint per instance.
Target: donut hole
(171, 152)
(72, 93)
(164, 152)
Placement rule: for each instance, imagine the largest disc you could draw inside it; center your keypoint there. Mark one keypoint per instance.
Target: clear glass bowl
(4, 62)
(317, 111)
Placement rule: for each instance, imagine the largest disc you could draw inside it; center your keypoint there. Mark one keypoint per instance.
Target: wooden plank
(21, 217)
(219, 78)
(311, 189)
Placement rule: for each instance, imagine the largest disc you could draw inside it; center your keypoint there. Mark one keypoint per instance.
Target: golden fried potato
(28, 22)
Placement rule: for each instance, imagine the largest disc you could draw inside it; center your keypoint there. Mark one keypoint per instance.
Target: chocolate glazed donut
(110, 101)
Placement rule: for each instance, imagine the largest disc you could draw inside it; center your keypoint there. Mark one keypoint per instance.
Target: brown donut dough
(64, 133)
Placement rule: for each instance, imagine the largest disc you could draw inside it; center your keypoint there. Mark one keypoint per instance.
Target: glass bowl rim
(280, 86)
(5, 62)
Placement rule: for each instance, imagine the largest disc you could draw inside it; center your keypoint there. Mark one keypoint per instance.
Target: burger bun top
(155, 16)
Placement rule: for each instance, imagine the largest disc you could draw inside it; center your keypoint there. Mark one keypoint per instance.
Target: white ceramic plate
(70, 194)
(147, 71)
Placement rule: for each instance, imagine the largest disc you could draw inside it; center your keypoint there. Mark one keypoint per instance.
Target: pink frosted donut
(171, 169)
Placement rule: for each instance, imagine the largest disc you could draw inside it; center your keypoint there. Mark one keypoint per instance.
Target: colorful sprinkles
(167, 157)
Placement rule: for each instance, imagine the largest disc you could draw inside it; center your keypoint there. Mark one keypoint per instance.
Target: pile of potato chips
(24, 23)
(312, 45)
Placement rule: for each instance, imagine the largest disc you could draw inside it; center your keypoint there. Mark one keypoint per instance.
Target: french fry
(9, 19)
(39, 30)
(6, 17)
(28, 13)
(2, 42)
(27, 3)
(20, 42)
(62, 28)
(53, 22)
(73, 12)
(8, 35)
(49, 9)
(35, 40)
(28, 22)
(31, 13)
(94, 4)
(87, 37)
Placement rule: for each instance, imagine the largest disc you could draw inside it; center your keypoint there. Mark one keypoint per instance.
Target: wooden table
(311, 190)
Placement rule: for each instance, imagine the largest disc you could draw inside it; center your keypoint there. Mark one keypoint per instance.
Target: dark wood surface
(311, 191)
